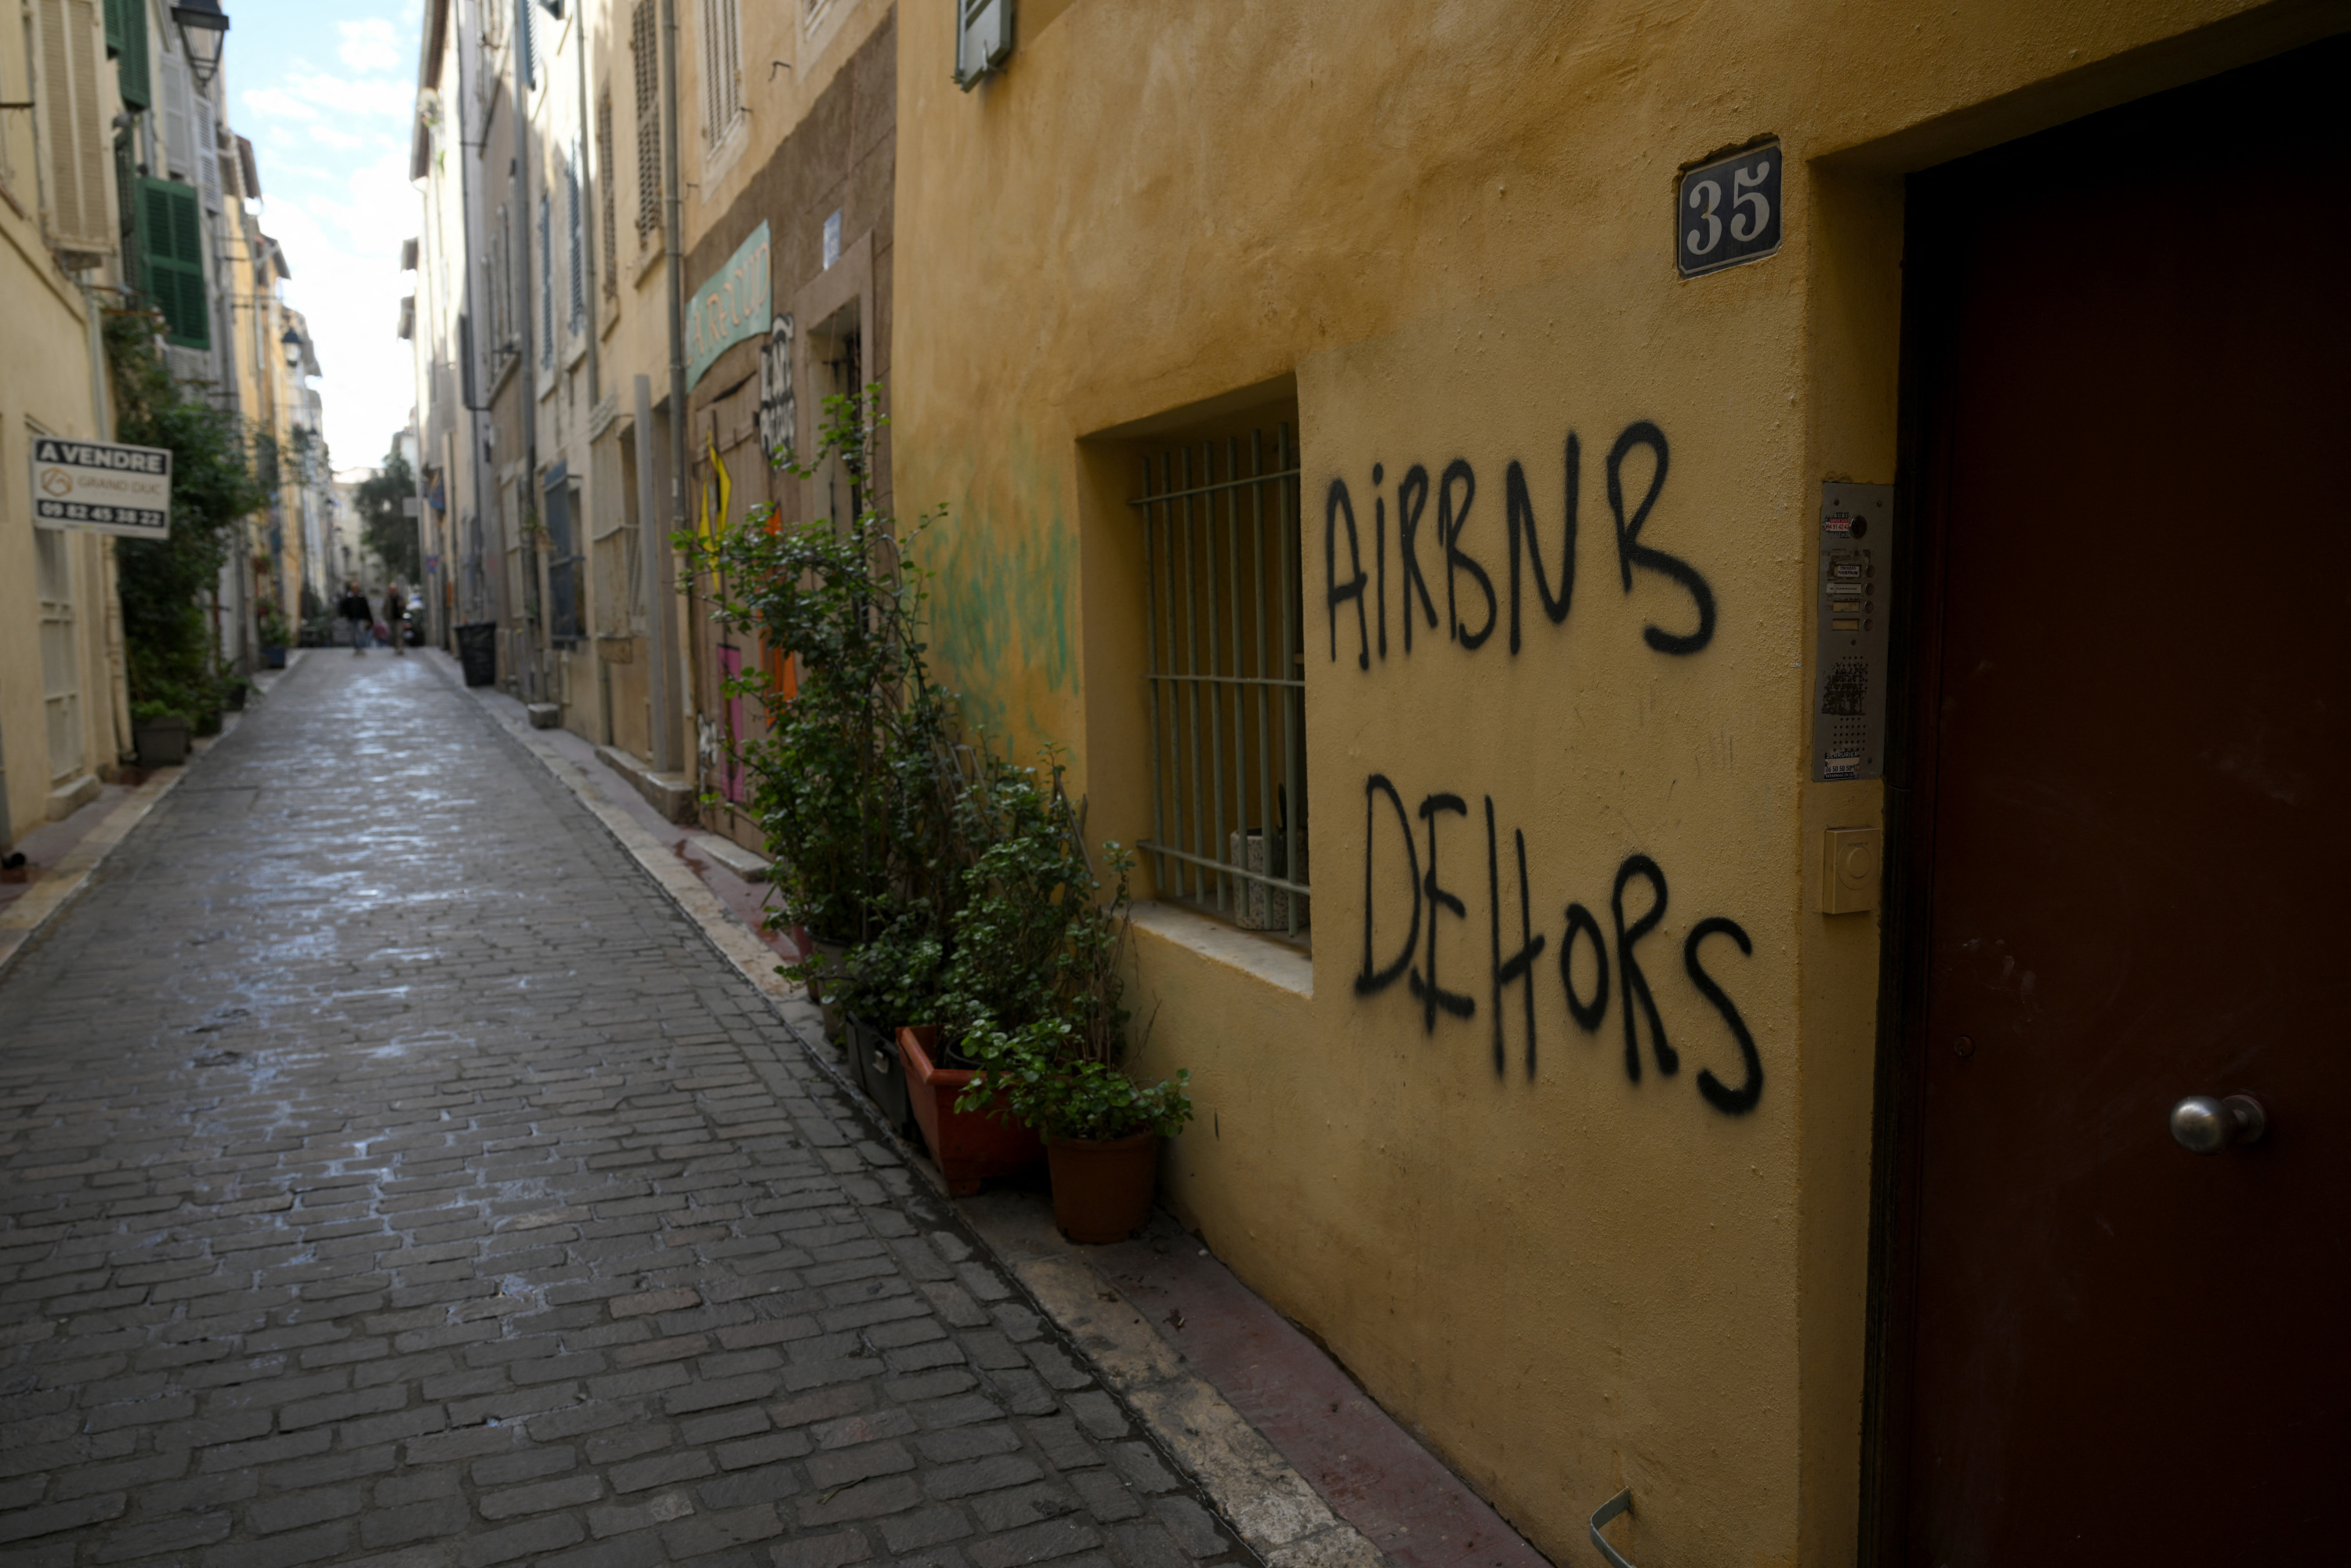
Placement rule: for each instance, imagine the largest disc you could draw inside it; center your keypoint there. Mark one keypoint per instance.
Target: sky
(326, 91)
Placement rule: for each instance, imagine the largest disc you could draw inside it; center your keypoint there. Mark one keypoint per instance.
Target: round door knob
(2204, 1125)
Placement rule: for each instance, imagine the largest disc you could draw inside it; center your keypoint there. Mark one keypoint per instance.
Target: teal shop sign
(730, 306)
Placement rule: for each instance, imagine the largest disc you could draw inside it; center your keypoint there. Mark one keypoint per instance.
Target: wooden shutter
(131, 68)
(983, 38)
(74, 148)
(207, 139)
(575, 238)
(646, 46)
(546, 281)
(172, 250)
(602, 191)
(179, 140)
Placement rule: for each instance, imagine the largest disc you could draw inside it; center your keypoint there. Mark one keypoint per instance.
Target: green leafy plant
(167, 633)
(1035, 1077)
(856, 781)
(385, 527)
(272, 628)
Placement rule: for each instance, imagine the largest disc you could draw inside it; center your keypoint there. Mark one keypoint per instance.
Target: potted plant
(1058, 1071)
(853, 780)
(276, 635)
(1101, 1129)
(160, 731)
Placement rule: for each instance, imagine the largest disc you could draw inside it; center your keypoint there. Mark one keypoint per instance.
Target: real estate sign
(101, 485)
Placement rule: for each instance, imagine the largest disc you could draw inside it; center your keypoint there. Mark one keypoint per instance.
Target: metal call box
(1857, 593)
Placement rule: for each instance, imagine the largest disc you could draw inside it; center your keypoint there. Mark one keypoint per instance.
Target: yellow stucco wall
(45, 332)
(1445, 230)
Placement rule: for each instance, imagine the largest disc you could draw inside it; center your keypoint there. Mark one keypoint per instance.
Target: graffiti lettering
(1416, 960)
(1630, 552)
(1449, 524)
(779, 409)
(1373, 981)
(1518, 969)
(1721, 1096)
(1587, 1015)
(1380, 549)
(1520, 508)
(1335, 506)
(1412, 499)
(1634, 984)
(1432, 995)
(1455, 491)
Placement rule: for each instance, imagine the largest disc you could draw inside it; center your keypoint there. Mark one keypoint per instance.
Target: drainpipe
(674, 224)
(527, 374)
(469, 188)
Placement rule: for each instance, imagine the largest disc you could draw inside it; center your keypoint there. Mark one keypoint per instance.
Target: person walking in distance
(353, 608)
(396, 617)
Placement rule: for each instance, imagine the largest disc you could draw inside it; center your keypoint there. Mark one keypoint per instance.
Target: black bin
(477, 651)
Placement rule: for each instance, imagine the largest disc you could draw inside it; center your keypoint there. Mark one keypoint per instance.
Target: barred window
(645, 47)
(1225, 682)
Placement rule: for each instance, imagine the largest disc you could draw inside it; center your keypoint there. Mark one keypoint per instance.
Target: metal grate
(1225, 682)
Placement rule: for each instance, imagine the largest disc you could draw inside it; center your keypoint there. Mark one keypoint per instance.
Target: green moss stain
(1002, 601)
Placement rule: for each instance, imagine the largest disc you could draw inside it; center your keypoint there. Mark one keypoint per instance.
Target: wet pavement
(389, 1174)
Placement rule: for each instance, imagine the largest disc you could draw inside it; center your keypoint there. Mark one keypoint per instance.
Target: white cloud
(368, 44)
(342, 236)
(271, 104)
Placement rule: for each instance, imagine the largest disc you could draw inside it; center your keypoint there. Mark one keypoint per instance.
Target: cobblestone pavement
(389, 1174)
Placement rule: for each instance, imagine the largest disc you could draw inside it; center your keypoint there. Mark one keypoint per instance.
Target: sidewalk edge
(51, 896)
(1273, 1509)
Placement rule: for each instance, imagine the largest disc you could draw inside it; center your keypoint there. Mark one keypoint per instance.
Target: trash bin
(477, 651)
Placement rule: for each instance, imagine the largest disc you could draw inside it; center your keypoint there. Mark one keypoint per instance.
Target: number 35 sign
(1727, 210)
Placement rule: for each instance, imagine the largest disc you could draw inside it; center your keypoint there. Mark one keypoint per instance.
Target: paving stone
(515, 1230)
(823, 1552)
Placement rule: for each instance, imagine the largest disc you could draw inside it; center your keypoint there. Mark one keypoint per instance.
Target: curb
(1268, 1504)
(53, 895)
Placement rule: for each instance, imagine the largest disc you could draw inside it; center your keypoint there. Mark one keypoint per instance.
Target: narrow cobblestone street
(388, 1173)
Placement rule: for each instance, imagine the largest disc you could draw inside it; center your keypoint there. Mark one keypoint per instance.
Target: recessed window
(1224, 677)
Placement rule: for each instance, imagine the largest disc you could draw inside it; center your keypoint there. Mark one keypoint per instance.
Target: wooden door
(2131, 828)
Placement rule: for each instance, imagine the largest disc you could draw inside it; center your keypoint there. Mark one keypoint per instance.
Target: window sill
(1270, 959)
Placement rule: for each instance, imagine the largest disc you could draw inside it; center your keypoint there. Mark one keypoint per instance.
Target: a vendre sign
(101, 485)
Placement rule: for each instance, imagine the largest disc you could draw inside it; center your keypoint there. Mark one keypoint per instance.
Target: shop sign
(103, 486)
(734, 305)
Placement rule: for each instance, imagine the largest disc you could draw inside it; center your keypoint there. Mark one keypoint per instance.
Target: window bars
(1226, 679)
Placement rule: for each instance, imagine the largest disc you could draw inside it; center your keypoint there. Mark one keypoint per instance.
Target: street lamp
(202, 24)
(293, 344)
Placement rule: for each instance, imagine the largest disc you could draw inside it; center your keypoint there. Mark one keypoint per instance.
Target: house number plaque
(1727, 210)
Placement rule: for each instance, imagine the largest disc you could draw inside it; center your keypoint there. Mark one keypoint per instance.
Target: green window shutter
(172, 245)
(131, 60)
(115, 11)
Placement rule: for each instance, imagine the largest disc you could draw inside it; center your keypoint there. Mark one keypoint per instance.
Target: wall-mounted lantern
(204, 27)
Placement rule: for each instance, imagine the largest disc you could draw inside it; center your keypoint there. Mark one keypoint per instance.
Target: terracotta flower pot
(969, 1145)
(1102, 1188)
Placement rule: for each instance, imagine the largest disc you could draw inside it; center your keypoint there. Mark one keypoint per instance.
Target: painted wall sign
(102, 487)
(1849, 652)
(1727, 210)
(734, 305)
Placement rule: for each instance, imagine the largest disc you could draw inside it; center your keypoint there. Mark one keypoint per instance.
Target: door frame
(1923, 440)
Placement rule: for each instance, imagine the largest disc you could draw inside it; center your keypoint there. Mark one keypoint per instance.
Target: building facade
(1542, 483)
(677, 208)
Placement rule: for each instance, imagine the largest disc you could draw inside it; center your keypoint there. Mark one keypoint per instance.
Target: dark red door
(2134, 774)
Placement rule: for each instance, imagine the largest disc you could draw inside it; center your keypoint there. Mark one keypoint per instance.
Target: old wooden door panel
(2141, 840)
